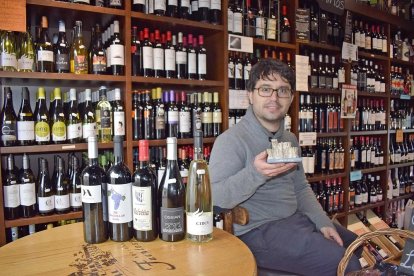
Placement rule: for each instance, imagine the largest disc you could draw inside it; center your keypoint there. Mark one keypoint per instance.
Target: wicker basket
(365, 237)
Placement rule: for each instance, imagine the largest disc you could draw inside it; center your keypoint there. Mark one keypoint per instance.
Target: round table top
(62, 251)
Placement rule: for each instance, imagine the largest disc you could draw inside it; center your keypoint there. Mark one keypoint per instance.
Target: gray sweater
(235, 181)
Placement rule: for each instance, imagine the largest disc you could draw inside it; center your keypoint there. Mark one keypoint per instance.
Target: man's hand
(270, 170)
(331, 234)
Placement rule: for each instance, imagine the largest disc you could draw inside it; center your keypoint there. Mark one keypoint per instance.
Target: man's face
(270, 110)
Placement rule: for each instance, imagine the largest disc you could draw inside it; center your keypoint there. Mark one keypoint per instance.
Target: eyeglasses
(281, 92)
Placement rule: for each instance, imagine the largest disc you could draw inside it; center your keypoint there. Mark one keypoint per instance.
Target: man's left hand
(331, 234)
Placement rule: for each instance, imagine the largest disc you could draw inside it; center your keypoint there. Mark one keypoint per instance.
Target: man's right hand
(270, 170)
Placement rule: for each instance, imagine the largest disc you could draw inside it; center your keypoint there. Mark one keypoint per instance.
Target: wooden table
(62, 251)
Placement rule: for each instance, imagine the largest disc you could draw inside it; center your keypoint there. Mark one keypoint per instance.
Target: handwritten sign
(333, 6)
(407, 258)
(14, 15)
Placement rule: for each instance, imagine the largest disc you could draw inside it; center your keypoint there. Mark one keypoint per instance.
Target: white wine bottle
(73, 119)
(25, 121)
(44, 49)
(103, 117)
(58, 119)
(26, 53)
(198, 202)
(78, 52)
(88, 117)
(8, 52)
(42, 128)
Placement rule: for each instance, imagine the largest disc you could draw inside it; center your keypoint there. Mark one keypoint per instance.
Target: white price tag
(307, 139)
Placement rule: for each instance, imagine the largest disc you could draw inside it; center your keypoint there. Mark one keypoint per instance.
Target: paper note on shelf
(302, 72)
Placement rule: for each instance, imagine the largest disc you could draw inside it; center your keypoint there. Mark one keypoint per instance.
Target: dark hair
(265, 68)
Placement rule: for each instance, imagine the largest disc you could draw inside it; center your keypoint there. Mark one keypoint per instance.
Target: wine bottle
(198, 201)
(8, 120)
(197, 113)
(62, 201)
(191, 59)
(172, 8)
(97, 56)
(215, 12)
(207, 115)
(57, 120)
(194, 9)
(285, 26)
(44, 49)
(149, 117)
(119, 115)
(27, 187)
(169, 56)
(160, 7)
(160, 114)
(117, 52)
(78, 52)
(147, 56)
(75, 185)
(73, 120)
(119, 196)
(201, 59)
(94, 199)
(158, 52)
(115, 4)
(26, 55)
(61, 50)
(180, 58)
(88, 118)
(11, 191)
(25, 120)
(217, 115)
(137, 116)
(8, 52)
(135, 52)
(45, 193)
(203, 10)
(184, 118)
(103, 117)
(172, 116)
(144, 201)
(138, 5)
(183, 9)
(171, 197)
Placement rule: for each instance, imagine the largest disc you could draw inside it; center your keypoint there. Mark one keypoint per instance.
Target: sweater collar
(257, 126)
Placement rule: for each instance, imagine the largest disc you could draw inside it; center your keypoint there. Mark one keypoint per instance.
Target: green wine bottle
(103, 117)
(8, 52)
(44, 50)
(25, 120)
(26, 56)
(58, 119)
(42, 128)
(8, 120)
(74, 122)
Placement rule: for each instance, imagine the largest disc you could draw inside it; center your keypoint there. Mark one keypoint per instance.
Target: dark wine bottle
(160, 115)
(144, 201)
(97, 56)
(45, 193)
(119, 196)
(11, 191)
(62, 202)
(183, 9)
(184, 117)
(201, 59)
(25, 120)
(75, 185)
(117, 52)
(171, 197)
(203, 10)
(169, 56)
(147, 69)
(118, 115)
(180, 58)
(158, 51)
(160, 7)
(61, 50)
(149, 117)
(215, 12)
(138, 5)
(172, 116)
(172, 8)
(27, 189)
(137, 116)
(44, 49)
(8, 120)
(135, 52)
(94, 199)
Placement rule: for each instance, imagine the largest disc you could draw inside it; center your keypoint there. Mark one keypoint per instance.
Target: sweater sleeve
(307, 202)
(232, 180)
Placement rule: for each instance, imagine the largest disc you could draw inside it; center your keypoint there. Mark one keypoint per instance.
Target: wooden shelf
(398, 97)
(401, 62)
(338, 215)
(272, 43)
(393, 131)
(366, 207)
(320, 177)
(378, 15)
(323, 46)
(407, 196)
(369, 132)
(76, 7)
(372, 56)
(323, 91)
(186, 141)
(374, 169)
(169, 23)
(400, 165)
(179, 82)
(53, 148)
(42, 219)
(374, 95)
(331, 134)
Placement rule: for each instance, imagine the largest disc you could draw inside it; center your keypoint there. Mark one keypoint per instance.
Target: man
(288, 230)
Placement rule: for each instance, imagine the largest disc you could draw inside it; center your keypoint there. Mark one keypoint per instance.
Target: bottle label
(215, 5)
(25, 131)
(91, 194)
(194, 6)
(142, 2)
(260, 24)
(59, 131)
(42, 132)
(148, 57)
(62, 202)
(89, 129)
(199, 223)
(192, 63)
(117, 54)
(75, 199)
(172, 220)
(8, 131)
(45, 55)
(181, 57)
(62, 62)
(207, 117)
(185, 122)
(230, 20)
(142, 208)
(160, 122)
(119, 203)
(217, 117)
(384, 45)
(204, 4)
(185, 3)
(11, 196)
(99, 63)
(25, 63)
(83, 1)
(202, 64)
(46, 203)
(246, 71)
(160, 5)
(80, 63)
(105, 116)
(172, 117)
(115, 3)
(74, 131)
(230, 67)
(239, 71)
(158, 59)
(358, 199)
(9, 59)
(172, 2)
(271, 28)
(169, 59)
(119, 123)
(27, 194)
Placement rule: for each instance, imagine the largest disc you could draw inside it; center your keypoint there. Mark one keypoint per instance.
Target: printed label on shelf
(307, 139)
(355, 175)
(240, 43)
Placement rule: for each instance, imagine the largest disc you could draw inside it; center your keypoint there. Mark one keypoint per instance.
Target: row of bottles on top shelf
(330, 194)
(65, 121)
(366, 152)
(157, 115)
(369, 39)
(207, 11)
(403, 9)
(325, 73)
(370, 115)
(76, 116)
(162, 55)
(368, 77)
